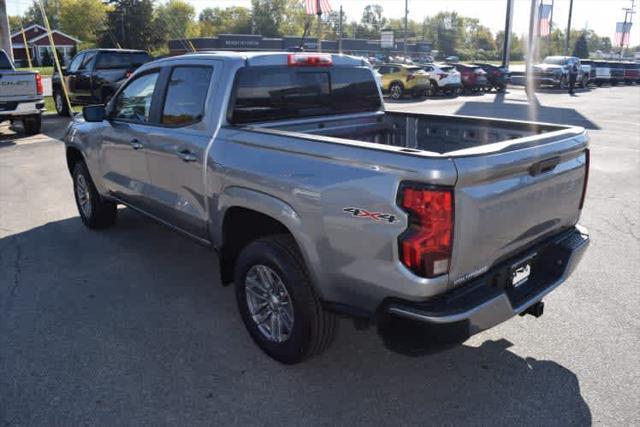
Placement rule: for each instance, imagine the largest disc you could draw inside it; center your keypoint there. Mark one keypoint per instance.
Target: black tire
(32, 125)
(62, 108)
(433, 88)
(501, 88)
(101, 213)
(396, 91)
(313, 327)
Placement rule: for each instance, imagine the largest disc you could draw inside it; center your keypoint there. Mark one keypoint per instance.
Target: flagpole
(551, 20)
(340, 32)
(319, 14)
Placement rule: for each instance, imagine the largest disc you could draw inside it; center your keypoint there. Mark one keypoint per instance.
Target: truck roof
(266, 58)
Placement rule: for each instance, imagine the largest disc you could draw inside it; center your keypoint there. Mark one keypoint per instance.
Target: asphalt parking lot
(129, 326)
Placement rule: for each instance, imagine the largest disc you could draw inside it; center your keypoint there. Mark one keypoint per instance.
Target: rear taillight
(309, 60)
(425, 247)
(442, 76)
(39, 89)
(587, 162)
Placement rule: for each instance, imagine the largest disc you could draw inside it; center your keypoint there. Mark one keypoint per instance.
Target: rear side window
(121, 60)
(277, 93)
(5, 64)
(186, 93)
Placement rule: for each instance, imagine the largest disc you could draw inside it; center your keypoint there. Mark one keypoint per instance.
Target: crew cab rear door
(505, 201)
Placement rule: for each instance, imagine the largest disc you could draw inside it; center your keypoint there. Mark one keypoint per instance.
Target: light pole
(506, 44)
(568, 38)
(406, 26)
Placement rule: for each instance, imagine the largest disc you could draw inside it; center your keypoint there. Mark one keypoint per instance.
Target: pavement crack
(17, 269)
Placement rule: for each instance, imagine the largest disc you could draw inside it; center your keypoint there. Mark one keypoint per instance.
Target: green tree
(234, 19)
(174, 20)
(274, 18)
(580, 49)
(33, 15)
(83, 19)
(446, 30)
(373, 20)
(131, 24)
(516, 52)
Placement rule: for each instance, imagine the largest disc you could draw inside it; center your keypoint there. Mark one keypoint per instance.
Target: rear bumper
(26, 108)
(491, 299)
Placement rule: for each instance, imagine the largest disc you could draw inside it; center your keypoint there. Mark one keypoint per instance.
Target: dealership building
(250, 42)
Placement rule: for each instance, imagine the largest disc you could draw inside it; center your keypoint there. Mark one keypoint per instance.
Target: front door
(124, 141)
(176, 149)
(83, 78)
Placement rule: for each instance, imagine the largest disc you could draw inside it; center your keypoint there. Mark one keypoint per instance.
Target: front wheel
(95, 212)
(396, 91)
(277, 302)
(61, 104)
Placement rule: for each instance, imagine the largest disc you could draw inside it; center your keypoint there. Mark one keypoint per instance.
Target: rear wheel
(32, 125)
(396, 90)
(95, 212)
(433, 88)
(61, 104)
(277, 302)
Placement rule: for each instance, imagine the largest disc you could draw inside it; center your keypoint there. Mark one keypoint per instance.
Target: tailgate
(505, 202)
(17, 86)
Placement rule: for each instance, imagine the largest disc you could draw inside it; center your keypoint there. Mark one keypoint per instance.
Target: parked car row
(449, 78)
(554, 71)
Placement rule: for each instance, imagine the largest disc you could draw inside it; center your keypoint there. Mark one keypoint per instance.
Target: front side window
(88, 60)
(75, 64)
(133, 103)
(186, 93)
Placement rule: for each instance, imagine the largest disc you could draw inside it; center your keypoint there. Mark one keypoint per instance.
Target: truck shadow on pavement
(130, 325)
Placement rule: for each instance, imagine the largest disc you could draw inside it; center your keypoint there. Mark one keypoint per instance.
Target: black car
(94, 75)
(498, 77)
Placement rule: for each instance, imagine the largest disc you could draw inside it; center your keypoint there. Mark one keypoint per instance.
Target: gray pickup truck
(322, 204)
(21, 96)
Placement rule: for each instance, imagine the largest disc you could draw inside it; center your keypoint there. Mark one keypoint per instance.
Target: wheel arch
(246, 215)
(73, 155)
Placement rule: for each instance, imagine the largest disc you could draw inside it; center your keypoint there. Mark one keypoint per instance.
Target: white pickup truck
(21, 96)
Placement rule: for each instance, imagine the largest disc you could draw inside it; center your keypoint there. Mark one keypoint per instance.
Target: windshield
(277, 93)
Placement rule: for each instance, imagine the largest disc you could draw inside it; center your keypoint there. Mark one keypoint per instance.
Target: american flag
(623, 30)
(317, 7)
(544, 19)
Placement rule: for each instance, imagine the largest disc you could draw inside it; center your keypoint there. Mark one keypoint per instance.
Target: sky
(599, 15)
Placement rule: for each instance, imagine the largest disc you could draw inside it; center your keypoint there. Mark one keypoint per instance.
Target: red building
(38, 44)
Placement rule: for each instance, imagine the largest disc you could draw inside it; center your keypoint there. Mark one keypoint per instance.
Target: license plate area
(520, 272)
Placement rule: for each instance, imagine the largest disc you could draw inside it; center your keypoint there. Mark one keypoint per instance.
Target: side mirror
(94, 113)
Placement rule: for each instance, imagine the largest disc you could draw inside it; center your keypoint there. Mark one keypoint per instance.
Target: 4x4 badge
(373, 216)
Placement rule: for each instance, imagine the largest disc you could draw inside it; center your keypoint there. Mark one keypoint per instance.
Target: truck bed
(441, 135)
(516, 182)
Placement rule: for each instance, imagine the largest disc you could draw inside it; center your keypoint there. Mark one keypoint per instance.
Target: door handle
(136, 144)
(187, 156)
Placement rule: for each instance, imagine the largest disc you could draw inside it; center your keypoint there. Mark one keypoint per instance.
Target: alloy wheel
(83, 195)
(269, 303)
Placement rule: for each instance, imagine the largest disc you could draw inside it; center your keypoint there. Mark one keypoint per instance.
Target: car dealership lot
(130, 325)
